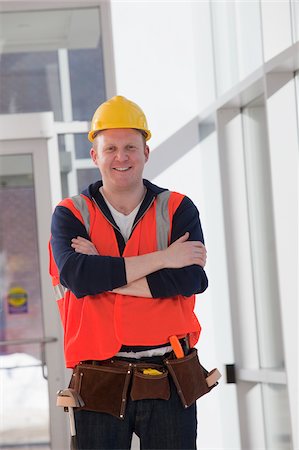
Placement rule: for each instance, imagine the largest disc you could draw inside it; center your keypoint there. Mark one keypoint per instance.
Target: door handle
(42, 341)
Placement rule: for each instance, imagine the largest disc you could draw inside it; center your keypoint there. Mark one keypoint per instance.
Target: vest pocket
(103, 389)
(149, 384)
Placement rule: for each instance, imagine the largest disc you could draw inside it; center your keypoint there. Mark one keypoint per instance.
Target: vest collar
(92, 192)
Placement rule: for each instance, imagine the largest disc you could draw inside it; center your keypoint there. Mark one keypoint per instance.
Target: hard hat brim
(92, 134)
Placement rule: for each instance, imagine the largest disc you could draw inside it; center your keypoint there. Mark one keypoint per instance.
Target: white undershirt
(124, 222)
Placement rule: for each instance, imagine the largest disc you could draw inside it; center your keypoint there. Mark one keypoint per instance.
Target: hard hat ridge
(118, 112)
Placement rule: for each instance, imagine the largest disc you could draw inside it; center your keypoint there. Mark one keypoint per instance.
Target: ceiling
(48, 29)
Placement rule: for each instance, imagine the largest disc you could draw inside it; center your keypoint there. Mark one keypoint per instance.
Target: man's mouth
(121, 169)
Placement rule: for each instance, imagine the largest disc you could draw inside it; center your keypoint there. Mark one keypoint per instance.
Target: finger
(79, 245)
(184, 237)
(82, 239)
(197, 244)
(201, 252)
(79, 240)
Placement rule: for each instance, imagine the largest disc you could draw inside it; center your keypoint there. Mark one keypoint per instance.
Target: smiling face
(120, 154)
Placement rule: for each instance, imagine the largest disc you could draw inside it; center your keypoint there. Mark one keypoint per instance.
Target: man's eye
(110, 149)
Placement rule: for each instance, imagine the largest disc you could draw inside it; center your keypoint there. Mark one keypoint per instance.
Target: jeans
(159, 424)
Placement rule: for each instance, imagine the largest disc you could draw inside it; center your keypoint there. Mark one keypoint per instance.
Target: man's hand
(84, 246)
(182, 253)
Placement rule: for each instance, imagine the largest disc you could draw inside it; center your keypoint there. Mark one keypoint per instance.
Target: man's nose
(121, 154)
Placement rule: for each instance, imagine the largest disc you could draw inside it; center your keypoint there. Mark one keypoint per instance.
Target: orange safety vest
(96, 326)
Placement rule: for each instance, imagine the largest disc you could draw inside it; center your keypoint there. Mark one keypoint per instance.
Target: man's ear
(146, 152)
(93, 155)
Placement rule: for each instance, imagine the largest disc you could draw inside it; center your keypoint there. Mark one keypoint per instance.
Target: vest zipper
(112, 224)
(142, 215)
(136, 223)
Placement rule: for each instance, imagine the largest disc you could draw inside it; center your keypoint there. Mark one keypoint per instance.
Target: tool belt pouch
(189, 377)
(150, 386)
(102, 388)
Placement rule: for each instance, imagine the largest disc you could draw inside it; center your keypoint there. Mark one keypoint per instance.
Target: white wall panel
(263, 254)
(204, 59)
(295, 19)
(283, 139)
(249, 39)
(217, 297)
(225, 45)
(230, 143)
(240, 277)
(154, 62)
(276, 25)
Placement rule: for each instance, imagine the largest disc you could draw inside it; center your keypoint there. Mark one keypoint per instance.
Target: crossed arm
(177, 270)
(180, 254)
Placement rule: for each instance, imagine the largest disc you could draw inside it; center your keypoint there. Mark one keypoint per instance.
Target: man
(127, 259)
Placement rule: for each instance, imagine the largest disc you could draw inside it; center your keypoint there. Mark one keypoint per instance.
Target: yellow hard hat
(118, 112)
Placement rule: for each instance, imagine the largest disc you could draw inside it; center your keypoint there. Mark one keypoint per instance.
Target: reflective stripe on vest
(59, 291)
(80, 204)
(162, 220)
(162, 216)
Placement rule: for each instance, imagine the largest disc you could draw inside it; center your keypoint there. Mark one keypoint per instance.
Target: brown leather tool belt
(105, 385)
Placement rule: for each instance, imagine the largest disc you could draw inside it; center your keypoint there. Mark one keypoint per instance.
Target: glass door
(21, 352)
(31, 362)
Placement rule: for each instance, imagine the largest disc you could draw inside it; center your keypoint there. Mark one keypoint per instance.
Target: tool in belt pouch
(150, 381)
(192, 380)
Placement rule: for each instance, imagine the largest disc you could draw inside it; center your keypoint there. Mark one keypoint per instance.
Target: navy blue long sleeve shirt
(93, 274)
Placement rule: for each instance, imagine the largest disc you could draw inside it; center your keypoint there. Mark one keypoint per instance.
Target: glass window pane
(33, 78)
(87, 81)
(86, 177)
(30, 83)
(82, 145)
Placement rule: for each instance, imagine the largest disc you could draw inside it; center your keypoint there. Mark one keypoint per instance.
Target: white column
(283, 140)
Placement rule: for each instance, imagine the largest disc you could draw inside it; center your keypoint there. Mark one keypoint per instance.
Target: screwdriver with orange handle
(211, 377)
(176, 346)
